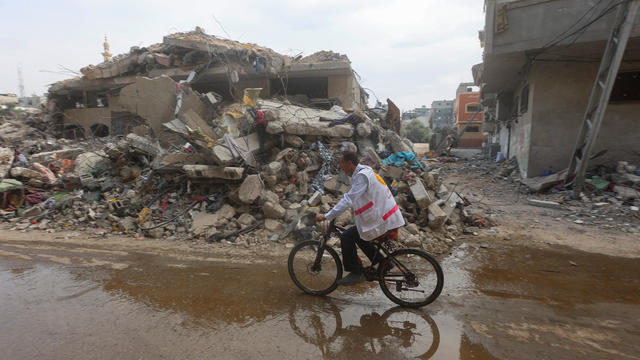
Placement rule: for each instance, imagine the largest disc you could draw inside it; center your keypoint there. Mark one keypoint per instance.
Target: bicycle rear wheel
(411, 277)
(316, 280)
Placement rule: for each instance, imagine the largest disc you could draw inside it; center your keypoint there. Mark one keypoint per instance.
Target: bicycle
(402, 272)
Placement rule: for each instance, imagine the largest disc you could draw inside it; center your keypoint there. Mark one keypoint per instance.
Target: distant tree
(416, 132)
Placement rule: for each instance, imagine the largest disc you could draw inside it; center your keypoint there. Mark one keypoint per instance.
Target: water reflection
(398, 332)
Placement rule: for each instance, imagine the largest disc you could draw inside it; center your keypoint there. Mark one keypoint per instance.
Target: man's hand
(320, 217)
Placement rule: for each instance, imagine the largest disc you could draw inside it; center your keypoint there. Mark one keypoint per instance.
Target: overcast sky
(412, 52)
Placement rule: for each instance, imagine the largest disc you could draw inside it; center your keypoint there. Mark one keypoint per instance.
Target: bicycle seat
(389, 235)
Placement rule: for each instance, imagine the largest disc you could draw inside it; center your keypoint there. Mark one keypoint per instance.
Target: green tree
(416, 132)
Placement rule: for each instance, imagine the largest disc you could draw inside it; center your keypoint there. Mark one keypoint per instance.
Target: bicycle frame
(370, 275)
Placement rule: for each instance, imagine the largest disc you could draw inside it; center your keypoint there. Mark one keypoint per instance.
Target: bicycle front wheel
(411, 277)
(312, 278)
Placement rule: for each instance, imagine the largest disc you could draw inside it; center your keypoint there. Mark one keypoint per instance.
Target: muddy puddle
(497, 303)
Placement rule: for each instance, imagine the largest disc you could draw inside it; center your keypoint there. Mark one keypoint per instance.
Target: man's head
(348, 162)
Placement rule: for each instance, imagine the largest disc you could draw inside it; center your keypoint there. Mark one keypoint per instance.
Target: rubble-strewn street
(302, 180)
(532, 283)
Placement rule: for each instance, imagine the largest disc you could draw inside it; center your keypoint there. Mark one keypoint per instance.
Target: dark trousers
(348, 240)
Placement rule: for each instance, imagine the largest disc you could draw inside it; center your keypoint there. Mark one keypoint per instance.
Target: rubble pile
(222, 187)
(610, 199)
(150, 144)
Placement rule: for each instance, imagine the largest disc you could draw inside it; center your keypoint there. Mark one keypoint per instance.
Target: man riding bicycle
(375, 213)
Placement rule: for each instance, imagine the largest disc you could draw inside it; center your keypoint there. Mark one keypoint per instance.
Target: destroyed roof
(325, 56)
(183, 52)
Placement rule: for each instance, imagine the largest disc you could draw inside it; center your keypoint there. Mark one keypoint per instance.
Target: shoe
(352, 279)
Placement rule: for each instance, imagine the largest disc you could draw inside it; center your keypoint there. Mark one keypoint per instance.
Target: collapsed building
(142, 87)
(205, 138)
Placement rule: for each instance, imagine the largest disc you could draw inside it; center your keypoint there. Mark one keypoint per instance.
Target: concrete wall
(533, 23)
(87, 117)
(345, 88)
(558, 105)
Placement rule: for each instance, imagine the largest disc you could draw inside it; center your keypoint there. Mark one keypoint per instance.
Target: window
(626, 87)
(524, 100)
(472, 108)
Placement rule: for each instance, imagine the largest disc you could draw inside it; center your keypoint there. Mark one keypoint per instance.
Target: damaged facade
(142, 87)
(536, 79)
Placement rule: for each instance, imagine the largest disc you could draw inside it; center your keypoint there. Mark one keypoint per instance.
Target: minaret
(106, 54)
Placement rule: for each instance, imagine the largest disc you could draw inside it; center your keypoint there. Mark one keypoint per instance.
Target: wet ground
(64, 301)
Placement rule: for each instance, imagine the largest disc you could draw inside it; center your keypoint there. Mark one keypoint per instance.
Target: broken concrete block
(211, 98)
(197, 123)
(335, 186)
(420, 194)
(32, 212)
(412, 228)
(127, 224)
(393, 172)
(89, 162)
(436, 216)
(20, 172)
(363, 129)
(273, 225)
(373, 155)
(450, 203)
(250, 189)
(268, 195)
(626, 192)
(545, 182)
(142, 144)
(273, 210)
(429, 181)
(213, 172)
(274, 168)
(45, 157)
(294, 140)
(443, 192)
(542, 203)
(226, 212)
(222, 155)
(246, 219)
(6, 160)
(203, 222)
(314, 200)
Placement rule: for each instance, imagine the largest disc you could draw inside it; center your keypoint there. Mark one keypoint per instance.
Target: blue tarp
(399, 158)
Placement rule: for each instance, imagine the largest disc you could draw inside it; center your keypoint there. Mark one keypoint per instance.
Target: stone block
(250, 189)
(294, 140)
(420, 194)
(275, 226)
(373, 155)
(436, 216)
(314, 200)
(213, 172)
(393, 172)
(246, 219)
(273, 210)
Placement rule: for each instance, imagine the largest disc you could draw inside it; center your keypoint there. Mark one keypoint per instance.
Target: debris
(437, 217)
(542, 203)
(250, 189)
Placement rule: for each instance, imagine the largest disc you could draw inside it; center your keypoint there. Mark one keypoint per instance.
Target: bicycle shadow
(398, 332)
